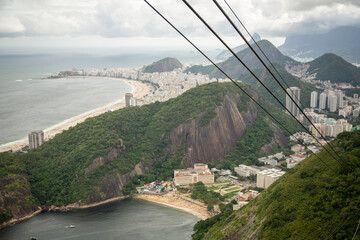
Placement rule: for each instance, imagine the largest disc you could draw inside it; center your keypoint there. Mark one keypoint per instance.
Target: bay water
(129, 219)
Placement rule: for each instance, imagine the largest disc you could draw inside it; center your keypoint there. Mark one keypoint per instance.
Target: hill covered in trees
(334, 68)
(234, 68)
(107, 156)
(318, 199)
(164, 65)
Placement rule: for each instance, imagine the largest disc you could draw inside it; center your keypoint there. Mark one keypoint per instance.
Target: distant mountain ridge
(334, 68)
(164, 65)
(342, 41)
(233, 67)
(226, 53)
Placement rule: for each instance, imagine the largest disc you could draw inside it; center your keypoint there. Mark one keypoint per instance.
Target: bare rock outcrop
(111, 185)
(278, 139)
(218, 137)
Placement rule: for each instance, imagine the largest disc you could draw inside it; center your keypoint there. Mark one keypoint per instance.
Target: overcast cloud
(27, 19)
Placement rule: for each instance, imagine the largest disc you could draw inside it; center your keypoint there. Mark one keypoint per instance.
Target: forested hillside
(107, 156)
(234, 68)
(334, 68)
(314, 200)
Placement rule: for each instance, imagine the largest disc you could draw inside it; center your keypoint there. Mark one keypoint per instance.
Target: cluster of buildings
(264, 176)
(327, 126)
(336, 101)
(166, 85)
(156, 187)
(331, 100)
(200, 173)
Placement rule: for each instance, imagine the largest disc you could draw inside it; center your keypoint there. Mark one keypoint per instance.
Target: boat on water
(72, 226)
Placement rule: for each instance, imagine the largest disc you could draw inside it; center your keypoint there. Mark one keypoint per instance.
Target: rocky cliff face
(217, 138)
(278, 139)
(111, 185)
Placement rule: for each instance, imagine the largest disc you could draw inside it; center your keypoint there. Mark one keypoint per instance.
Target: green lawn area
(233, 188)
(223, 181)
(228, 186)
(213, 188)
(230, 194)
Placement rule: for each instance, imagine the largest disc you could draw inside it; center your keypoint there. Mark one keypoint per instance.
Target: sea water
(28, 103)
(130, 219)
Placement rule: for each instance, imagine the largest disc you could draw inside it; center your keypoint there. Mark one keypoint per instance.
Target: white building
(330, 93)
(332, 103)
(267, 177)
(294, 92)
(340, 99)
(322, 102)
(36, 139)
(246, 171)
(200, 173)
(314, 99)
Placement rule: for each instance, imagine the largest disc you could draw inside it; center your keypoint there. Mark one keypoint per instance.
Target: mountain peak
(167, 64)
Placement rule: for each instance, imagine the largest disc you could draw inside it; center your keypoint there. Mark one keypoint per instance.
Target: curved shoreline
(171, 200)
(139, 91)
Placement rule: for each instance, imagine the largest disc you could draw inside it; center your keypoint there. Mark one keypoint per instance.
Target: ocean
(28, 103)
(129, 219)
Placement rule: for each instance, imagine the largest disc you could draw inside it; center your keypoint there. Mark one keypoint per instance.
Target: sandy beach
(172, 200)
(139, 90)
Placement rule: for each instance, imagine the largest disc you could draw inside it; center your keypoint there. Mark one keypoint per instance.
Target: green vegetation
(164, 65)
(203, 226)
(352, 91)
(234, 68)
(210, 198)
(222, 181)
(332, 67)
(311, 201)
(125, 138)
(230, 194)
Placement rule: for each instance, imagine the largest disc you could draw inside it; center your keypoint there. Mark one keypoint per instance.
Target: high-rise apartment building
(330, 93)
(128, 96)
(333, 103)
(314, 99)
(36, 139)
(322, 101)
(340, 99)
(294, 92)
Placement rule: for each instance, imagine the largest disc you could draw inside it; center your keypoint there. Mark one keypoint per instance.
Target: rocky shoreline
(60, 208)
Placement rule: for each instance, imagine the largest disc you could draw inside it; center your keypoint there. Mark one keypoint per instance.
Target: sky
(132, 24)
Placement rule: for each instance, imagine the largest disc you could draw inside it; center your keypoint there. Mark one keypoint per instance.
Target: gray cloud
(123, 18)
